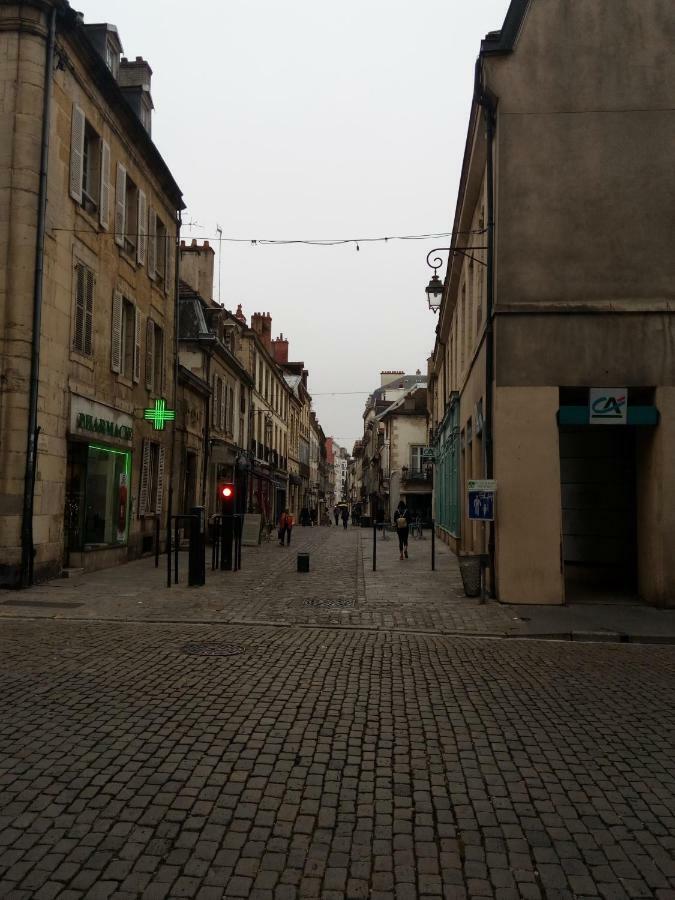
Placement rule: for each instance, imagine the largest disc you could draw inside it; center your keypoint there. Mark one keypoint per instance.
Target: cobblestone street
(271, 760)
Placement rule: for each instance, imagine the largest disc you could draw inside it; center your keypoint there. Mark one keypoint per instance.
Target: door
(598, 478)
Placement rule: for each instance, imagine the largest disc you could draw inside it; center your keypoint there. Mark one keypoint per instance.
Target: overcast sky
(309, 119)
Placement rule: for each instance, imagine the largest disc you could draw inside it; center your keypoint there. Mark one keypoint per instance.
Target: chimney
(196, 267)
(387, 377)
(305, 376)
(266, 333)
(239, 315)
(256, 323)
(280, 350)
(134, 79)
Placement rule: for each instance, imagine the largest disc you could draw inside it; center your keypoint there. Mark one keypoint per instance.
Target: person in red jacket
(285, 528)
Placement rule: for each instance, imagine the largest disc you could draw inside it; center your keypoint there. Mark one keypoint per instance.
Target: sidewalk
(341, 590)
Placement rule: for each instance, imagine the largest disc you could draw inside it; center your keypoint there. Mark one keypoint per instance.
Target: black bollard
(433, 545)
(374, 546)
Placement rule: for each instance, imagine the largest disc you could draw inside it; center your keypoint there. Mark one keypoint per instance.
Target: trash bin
(469, 567)
(303, 562)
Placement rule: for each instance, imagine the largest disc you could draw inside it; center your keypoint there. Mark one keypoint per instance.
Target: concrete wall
(527, 469)
(585, 131)
(656, 505)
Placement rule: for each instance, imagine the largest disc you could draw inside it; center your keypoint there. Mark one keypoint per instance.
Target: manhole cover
(330, 603)
(213, 649)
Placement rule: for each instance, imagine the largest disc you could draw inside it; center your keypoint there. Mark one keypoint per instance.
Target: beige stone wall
(527, 469)
(73, 235)
(656, 505)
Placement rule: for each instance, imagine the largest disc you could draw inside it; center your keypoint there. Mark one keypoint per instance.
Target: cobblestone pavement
(271, 762)
(341, 589)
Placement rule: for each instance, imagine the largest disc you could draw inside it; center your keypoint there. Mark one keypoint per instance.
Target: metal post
(374, 547)
(226, 540)
(176, 537)
(433, 545)
(197, 575)
(157, 542)
(168, 552)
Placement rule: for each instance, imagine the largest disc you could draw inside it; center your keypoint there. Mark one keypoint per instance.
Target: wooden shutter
(168, 269)
(145, 479)
(142, 241)
(77, 153)
(152, 243)
(230, 426)
(120, 204)
(149, 352)
(116, 333)
(223, 404)
(104, 200)
(137, 344)
(78, 325)
(88, 329)
(160, 481)
(213, 401)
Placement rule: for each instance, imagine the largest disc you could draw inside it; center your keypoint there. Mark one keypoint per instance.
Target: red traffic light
(227, 491)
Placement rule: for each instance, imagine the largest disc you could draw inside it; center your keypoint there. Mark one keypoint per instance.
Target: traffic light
(226, 492)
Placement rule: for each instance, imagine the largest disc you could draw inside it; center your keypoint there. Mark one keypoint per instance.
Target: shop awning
(635, 415)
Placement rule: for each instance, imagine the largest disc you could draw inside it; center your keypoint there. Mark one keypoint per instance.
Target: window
(160, 243)
(84, 309)
(152, 479)
(416, 458)
(89, 167)
(107, 484)
(131, 207)
(125, 344)
(154, 357)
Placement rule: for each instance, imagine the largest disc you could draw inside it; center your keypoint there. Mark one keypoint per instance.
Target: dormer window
(112, 58)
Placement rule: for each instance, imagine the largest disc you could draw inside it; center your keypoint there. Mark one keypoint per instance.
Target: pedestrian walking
(345, 516)
(402, 521)
(336, 514)
(285, 528)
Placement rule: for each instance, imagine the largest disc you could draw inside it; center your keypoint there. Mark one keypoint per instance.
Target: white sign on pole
(608, 406)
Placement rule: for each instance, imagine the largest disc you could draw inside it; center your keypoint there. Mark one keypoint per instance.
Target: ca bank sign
(608, 406)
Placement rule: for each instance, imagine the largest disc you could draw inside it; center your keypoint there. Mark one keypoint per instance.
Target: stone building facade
(87, 253)
(553, 370)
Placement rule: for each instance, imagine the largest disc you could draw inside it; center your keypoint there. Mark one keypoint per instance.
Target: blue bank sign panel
(481, 499)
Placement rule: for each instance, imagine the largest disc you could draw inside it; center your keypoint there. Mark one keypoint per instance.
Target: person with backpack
(345, 516)
(285, 528)
(402, 522)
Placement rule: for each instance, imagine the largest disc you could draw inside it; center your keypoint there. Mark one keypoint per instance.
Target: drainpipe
(176, 313)
(207, 431)
(27, 547)
(489, 106)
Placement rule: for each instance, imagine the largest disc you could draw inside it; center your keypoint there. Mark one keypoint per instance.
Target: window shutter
(145, 479)
(142, 241)
(116, 334)
(88, 311)
(104, 202)
(77, 153)
(149, 352)
(78, 325)
(160, 481)
(223, 405)
(120, 204)
(168, 268)
(137, 344)
(230, 426)
(152, 242)
(213, 401)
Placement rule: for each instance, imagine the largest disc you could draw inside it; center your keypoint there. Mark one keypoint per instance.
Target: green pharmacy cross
(159, 414)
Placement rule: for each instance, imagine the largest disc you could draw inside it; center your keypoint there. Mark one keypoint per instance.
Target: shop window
(107, 485)
(84, 310)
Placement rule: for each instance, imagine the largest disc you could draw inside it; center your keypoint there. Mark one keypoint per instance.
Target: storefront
(98, 481)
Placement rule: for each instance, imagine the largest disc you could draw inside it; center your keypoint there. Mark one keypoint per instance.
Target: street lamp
(434, 290)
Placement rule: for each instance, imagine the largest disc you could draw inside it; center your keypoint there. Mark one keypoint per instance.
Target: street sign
(481, 499)
(481, 484)
(608, 406)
